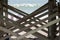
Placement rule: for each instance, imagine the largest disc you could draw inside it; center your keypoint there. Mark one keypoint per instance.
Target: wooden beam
(30, 21)
(28, 28)
(34, 18)
(33, 31)
(52, 28)
(1, 11)
(6, 10)
(13, 15)
(24, 28)
(7, 31)
(59, 17)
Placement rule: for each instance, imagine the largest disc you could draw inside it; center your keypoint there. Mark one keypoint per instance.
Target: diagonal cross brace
(7, 31)
(33, 31)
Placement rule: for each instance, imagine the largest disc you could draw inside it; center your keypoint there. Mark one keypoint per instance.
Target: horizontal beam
(12, 15)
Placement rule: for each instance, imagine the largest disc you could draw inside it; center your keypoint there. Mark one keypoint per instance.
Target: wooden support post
(6, 10)
(59, 17)
(1, 12)
(52, 28)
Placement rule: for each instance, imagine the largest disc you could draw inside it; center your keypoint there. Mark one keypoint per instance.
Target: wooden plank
(55, 10)
(33, 31)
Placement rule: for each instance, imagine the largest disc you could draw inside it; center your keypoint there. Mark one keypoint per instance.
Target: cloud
(25, 5)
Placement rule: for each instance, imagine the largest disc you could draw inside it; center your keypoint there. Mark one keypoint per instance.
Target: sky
(27, 1)
(27, 6)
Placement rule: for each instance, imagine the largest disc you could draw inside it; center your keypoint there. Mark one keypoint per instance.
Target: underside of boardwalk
(42, 24)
